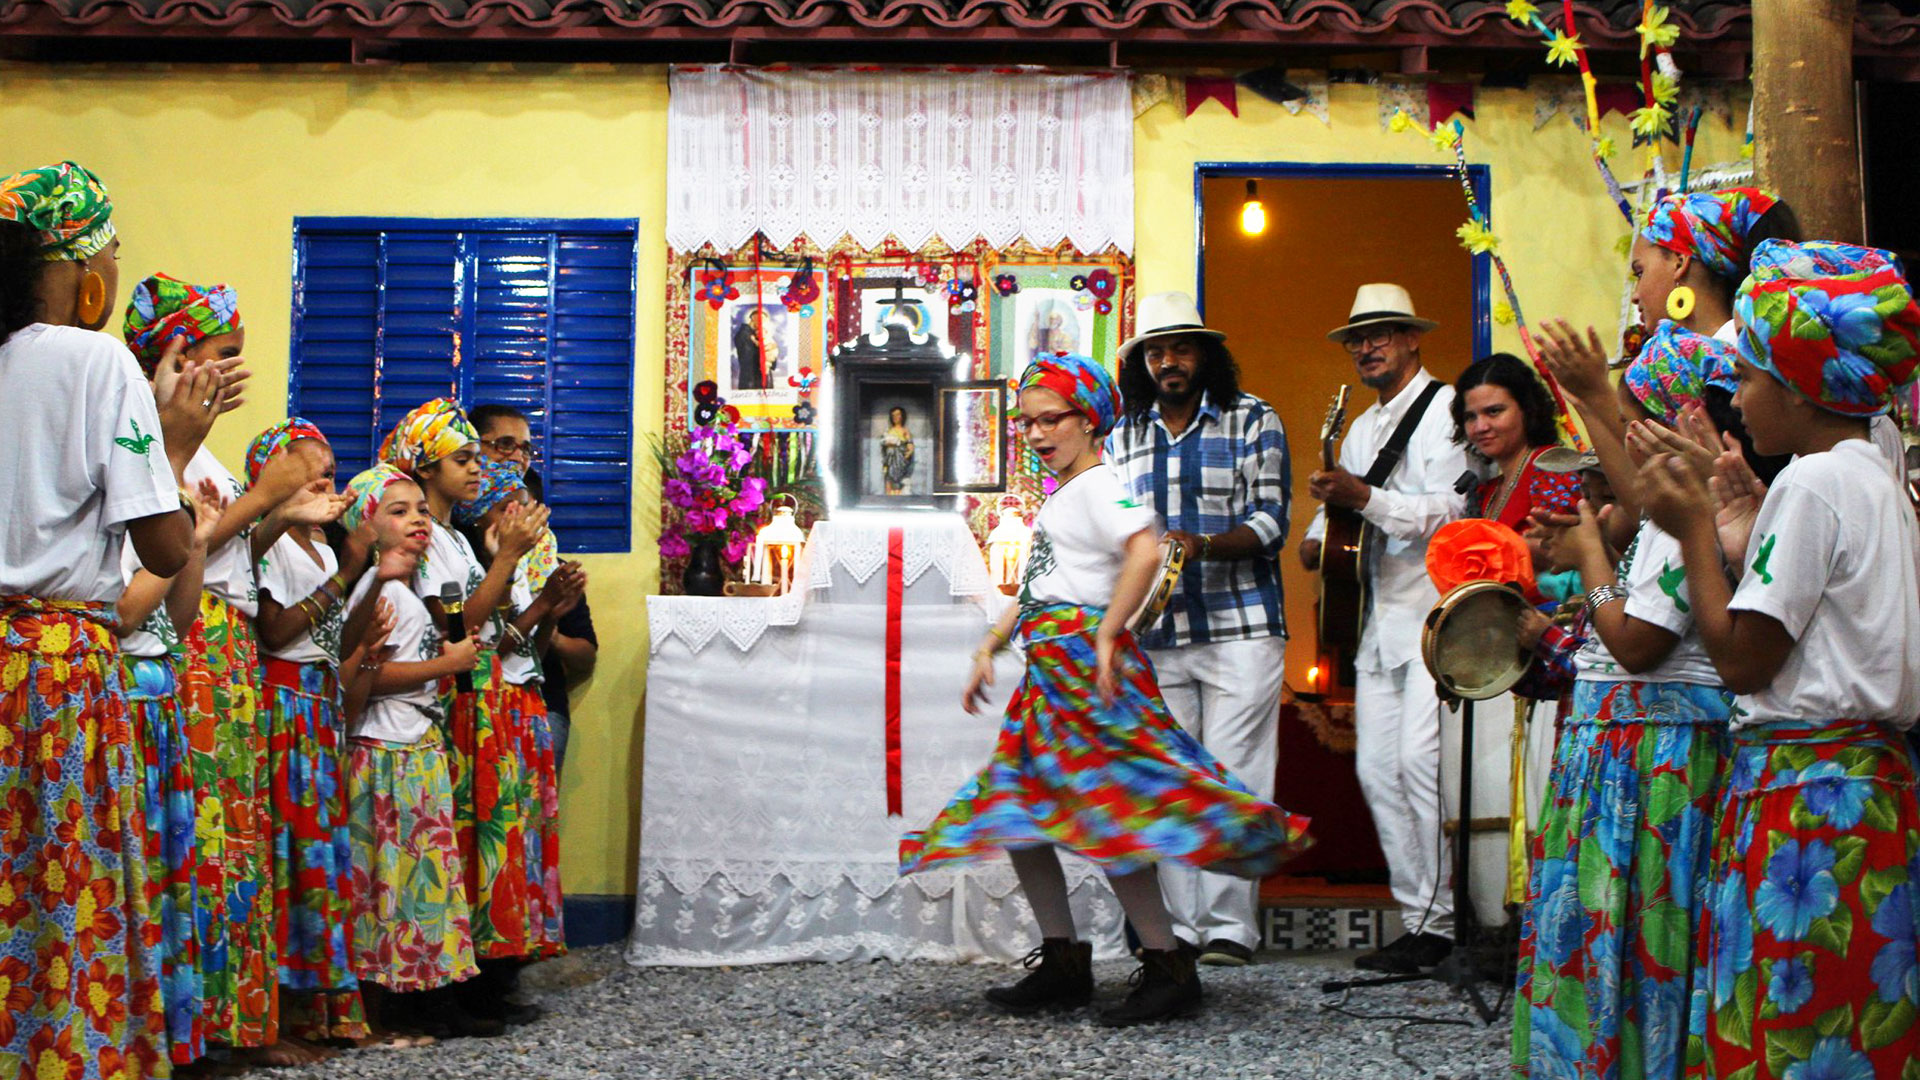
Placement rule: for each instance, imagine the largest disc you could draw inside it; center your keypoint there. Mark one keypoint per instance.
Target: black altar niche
(907, 434)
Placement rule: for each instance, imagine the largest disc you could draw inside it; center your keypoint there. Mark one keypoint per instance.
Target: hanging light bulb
(1253, 216)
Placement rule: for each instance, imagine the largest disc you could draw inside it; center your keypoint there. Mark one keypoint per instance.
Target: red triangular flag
(1445, 99)
(1620, 98)
(1200, 89)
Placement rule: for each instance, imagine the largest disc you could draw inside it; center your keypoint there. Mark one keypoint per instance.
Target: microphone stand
(1458, 970)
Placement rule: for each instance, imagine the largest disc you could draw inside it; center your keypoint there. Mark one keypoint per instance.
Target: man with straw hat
(1212, 462)
(1403, 498)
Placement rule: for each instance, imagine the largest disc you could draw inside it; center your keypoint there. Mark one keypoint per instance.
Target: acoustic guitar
(1343, 584)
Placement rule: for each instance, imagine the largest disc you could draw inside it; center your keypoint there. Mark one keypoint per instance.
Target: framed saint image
(898, 452)
(973, 437)
(743, 338)
(1042, 308)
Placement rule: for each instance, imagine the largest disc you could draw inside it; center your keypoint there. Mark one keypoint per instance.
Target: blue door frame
(1477, 175)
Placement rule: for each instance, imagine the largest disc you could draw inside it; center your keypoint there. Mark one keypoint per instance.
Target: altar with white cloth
(765, 832)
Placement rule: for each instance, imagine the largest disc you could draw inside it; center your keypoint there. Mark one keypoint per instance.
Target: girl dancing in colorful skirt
(1088, 757)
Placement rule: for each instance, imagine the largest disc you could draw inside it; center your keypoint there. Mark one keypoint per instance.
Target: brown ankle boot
(1166, 985)
(1061, 977)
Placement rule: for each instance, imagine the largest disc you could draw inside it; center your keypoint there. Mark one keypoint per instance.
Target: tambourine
(1470, 642)
(1173, 557)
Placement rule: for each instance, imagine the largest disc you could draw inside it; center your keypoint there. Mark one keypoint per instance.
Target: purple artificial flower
(674, 546)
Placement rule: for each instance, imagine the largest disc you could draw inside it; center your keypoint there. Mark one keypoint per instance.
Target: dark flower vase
(703, 575)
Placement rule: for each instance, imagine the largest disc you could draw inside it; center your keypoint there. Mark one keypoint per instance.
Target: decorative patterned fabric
(1123, 785)
(1618, 874)
(163, 308)
(367, 488)
(539, 563)
(167, 811)
(1083, 382)
(1230, 467)
(312, 859)
(1000, 156)
(228, 733)
(79, 951)
(427, 434)
(1836, 323)
(498, 482)
(1711, 226)
(1672, 370)
(65, 204)
(506, 815)
(410, 926)
(1537, 488)
(278, 438)
(1808, 965)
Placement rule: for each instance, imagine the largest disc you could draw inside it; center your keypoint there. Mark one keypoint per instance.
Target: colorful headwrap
(164, 308)
(65, 204)
(275, 439)
(1083, 382)
(1674, 368)
(1711, 226)
(427, 434)
(1835, 322)
(498, 482)
(367, 489)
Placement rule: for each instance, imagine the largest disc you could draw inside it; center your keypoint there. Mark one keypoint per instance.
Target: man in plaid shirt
(1212, 462)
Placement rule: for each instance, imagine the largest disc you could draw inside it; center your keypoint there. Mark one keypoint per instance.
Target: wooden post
(1806, 144)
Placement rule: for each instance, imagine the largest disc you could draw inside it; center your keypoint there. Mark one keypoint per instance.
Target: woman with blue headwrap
(1809, 943)
(1088, 757)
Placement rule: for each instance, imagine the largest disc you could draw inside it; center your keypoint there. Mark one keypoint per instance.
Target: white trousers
(1227, 696)
(1397, 754)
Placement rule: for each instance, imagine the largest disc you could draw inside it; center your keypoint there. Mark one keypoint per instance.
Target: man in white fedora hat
(1212, 462)
(1402, 498)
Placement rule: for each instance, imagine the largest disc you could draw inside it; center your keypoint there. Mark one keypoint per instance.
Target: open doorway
(1330, 229)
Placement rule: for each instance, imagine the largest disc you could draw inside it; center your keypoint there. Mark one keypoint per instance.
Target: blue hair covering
(1083, 381)
(498, 482)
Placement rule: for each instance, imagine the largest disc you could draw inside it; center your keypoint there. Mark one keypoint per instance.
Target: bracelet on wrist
(1602, 594)
(1206, 546)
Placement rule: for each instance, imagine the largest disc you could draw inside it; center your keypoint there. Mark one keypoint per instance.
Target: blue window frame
(533, 313)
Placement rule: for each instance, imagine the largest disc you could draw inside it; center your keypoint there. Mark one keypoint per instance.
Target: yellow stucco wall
(209, 166)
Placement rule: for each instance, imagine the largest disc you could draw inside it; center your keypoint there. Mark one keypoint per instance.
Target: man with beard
(1403, 499)
(1212, 463)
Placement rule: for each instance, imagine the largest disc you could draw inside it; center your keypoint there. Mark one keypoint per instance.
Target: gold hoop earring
(90, 306)
(1680, 302)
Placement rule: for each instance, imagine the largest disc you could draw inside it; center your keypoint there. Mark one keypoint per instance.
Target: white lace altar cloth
(946, 153)
(764, 834)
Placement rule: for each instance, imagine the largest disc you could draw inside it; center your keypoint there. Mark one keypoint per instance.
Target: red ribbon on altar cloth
(896, 603)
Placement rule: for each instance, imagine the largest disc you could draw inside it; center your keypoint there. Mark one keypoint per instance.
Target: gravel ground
(928, 1022)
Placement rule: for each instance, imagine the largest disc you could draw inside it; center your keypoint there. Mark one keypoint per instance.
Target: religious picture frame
(930, 297)
(1053, 307)
(748, 336)
(973, 431)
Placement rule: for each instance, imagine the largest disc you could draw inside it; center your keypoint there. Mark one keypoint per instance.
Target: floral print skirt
(1617, 877)
(312, 858)
(410, 924)
(167, 813)
(1809, 952)
(80, 955)
(227, 739)
(1123, 785)
(507, 815)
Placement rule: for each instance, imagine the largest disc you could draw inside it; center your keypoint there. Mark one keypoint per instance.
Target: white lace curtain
(953, 155)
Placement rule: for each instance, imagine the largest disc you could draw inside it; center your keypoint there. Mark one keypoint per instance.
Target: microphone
(451, 601)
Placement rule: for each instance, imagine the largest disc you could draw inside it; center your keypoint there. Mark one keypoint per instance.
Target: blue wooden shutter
(538, 315)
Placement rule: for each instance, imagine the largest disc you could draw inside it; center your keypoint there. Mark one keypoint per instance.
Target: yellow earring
(1680, 303)
(91, 305)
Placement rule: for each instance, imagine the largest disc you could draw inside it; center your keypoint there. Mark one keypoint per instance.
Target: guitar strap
(1396, 447)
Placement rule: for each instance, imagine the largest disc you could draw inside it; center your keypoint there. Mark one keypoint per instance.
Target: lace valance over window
(913, 155)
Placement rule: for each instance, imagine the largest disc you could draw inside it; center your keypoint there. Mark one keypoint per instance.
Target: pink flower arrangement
(707, 483)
